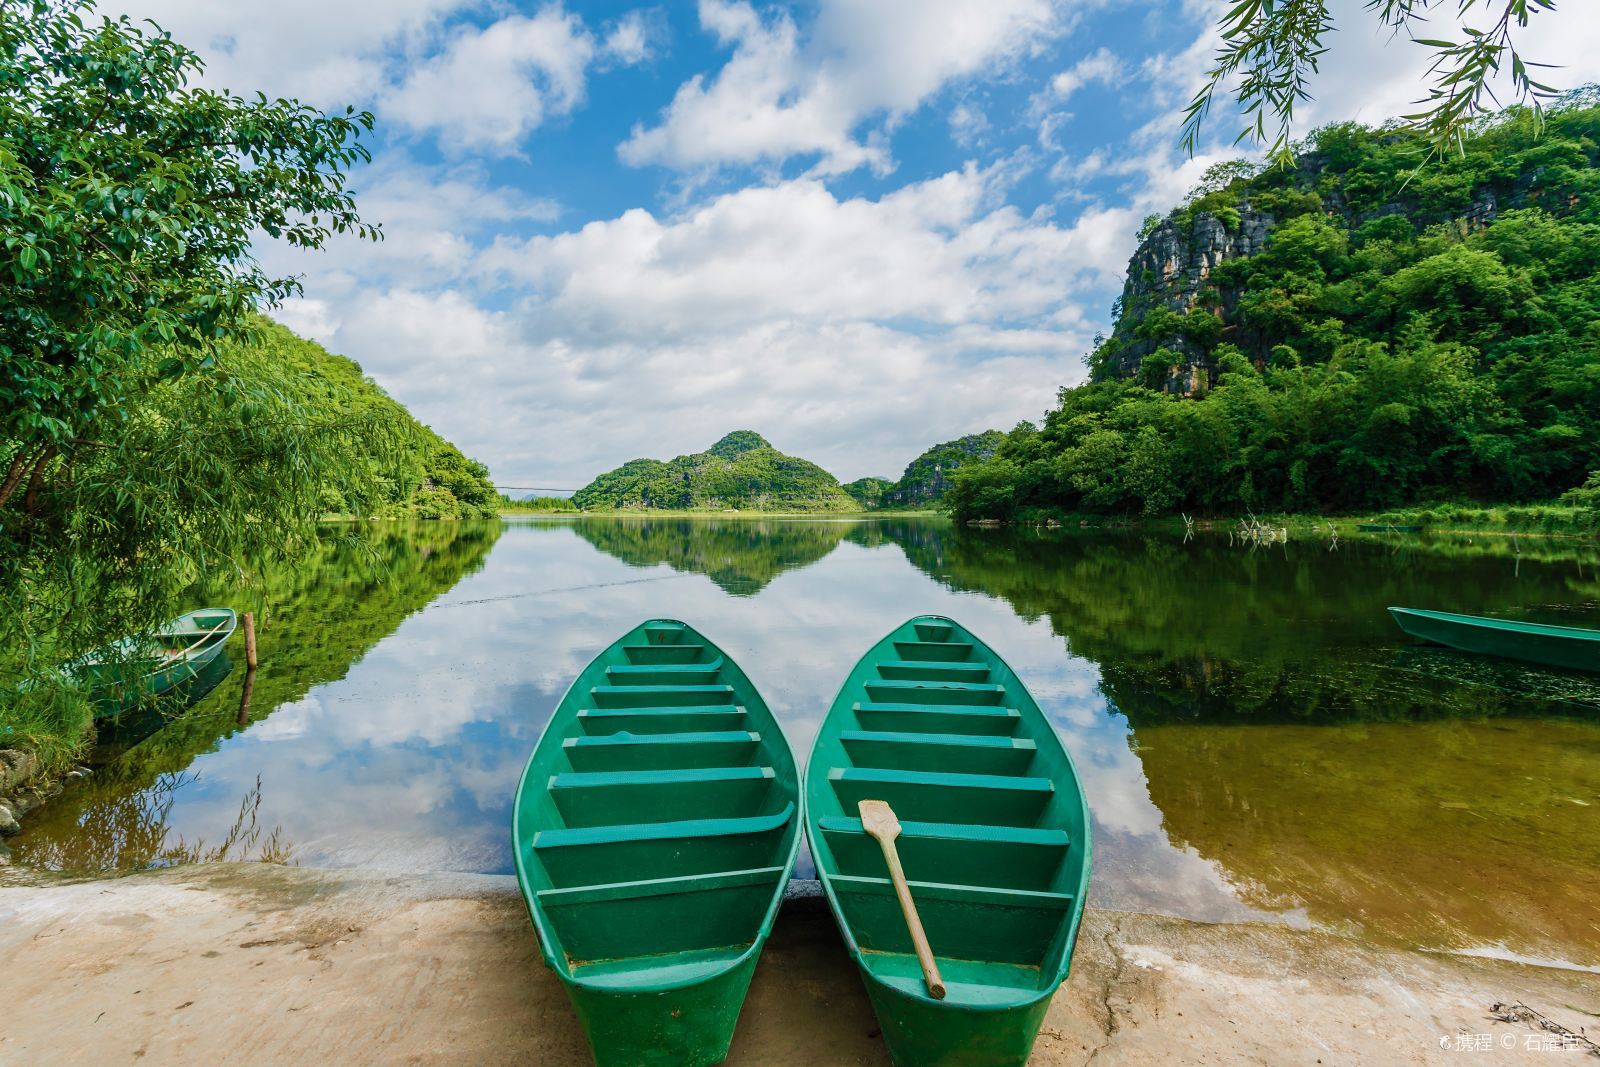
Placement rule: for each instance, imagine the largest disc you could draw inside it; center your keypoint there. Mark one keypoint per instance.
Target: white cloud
(633, 38)
(424, 65)
(490, 87)
(851, 331)
(1100, 66)
(863, 62)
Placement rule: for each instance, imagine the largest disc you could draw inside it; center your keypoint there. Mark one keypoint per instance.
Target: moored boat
(1554, 646)
(1386, 527)
(654, 830)
(135, 669)
(994, 842)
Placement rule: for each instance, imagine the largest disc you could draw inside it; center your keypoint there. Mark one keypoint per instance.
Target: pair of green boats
(657, 823)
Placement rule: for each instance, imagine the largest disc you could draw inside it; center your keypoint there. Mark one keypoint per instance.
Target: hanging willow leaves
(1271, 50)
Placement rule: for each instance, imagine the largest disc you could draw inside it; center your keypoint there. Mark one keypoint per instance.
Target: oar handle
(919, 937)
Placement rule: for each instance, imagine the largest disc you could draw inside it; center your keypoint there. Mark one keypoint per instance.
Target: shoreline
(260, 963)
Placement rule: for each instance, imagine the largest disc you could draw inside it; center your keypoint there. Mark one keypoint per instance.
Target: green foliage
(1378, 357)
(129, 201)
(538, 504)
(928, 477)
(868, 492)
(196, 488)
(741, 471)
(1272, 48)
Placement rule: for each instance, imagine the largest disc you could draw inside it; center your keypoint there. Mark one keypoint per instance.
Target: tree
(1273, 47)
(147, 449)
(128, 204)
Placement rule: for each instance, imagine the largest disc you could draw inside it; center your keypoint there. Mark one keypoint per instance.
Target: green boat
(1385, 527)
(1554, 646)
(654, 830)
(133, 670)
(994, 842)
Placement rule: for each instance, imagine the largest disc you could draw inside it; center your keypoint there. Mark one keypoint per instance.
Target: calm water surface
(1256, 739)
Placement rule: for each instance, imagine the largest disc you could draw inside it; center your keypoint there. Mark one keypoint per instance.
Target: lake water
(1257, 740)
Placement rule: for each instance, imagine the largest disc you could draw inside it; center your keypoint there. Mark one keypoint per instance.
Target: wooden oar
(878, 820)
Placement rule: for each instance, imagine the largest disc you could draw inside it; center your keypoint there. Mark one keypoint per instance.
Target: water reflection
(740, 557)
(1252, 742)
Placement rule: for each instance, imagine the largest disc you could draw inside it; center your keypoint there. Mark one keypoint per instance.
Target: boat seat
(614, 928)
(970, 983)
(657, 653)
(617, 852)
(943, 718)
(1010, 857)
(932, 671)
(623, 750)
(964, 922)
(649, 696)
(913, 692)
(598, 798)
(930, 796)
(652, 972)
(657, 831)
(934, 631)
(689, 718)
(664, 633)
(937, 651)
(973, 753)
(633, 674)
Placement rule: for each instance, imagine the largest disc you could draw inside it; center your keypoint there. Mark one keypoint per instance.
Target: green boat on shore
(654, 830)
(994, 842)
(1554, 646)
(136, 669)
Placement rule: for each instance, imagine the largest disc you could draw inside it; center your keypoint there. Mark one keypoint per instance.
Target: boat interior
(670, 767)
(991, 847)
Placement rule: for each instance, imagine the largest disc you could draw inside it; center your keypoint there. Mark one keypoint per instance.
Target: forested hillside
(1367, 329)
(741, 471)
(928, 477)
(414, 472)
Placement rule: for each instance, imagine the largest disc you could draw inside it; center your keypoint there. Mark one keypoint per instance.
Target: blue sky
(856, 226)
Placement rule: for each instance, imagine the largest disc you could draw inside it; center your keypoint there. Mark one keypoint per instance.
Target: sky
(858, 227)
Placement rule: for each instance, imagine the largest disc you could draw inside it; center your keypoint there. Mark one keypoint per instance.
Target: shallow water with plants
(1257, 739)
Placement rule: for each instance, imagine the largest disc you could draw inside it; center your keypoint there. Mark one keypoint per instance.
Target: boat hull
(1575, 649)
(654, 828)
(120, 684)
(993, 841)
(920, 1033)
(691, 1026)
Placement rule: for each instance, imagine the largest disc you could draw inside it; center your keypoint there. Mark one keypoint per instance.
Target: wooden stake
(250, 639)
(249, 667)
(249, 691)
(878, 820)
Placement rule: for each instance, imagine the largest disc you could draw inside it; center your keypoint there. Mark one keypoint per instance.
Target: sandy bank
(259, 964)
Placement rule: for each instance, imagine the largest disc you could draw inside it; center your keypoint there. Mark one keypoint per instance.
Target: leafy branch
(1271, 50)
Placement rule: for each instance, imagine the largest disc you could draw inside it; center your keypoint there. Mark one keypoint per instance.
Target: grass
(1529, 519)
(54, 723)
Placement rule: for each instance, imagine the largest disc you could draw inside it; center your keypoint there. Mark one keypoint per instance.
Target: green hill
(1364, 330)
(928, 477)
(414, 472)
(868, 492)
(741, 471)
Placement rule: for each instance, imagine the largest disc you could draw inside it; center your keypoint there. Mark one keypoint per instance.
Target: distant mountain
(868, 492)
(740, 471)
(929, 475)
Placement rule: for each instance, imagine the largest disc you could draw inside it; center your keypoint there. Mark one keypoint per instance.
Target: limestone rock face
(1172, 268)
